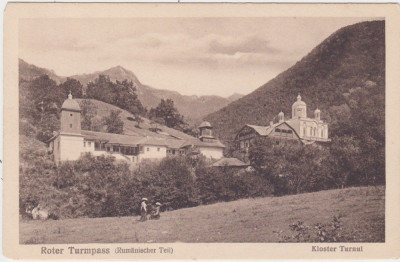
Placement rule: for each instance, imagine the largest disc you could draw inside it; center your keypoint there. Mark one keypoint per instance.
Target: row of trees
(101, 186)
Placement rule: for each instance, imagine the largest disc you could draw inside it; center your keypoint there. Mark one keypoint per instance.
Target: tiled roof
(199, 143)
(261, 130)
(152, 141)
(174, 143)
(146, 140)
(233, 162)
(112, 138)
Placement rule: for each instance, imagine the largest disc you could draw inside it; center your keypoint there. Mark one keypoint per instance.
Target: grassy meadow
(247, 220)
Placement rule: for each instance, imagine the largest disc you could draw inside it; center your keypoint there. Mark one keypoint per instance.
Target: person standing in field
(143, 210)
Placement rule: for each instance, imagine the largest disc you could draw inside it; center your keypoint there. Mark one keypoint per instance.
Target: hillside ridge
(353, 56)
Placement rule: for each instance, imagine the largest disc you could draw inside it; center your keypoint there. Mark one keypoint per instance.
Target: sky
(194, 56)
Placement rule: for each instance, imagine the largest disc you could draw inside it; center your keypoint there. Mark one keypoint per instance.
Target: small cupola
(317, 114)
(205, 131)
(281, 117)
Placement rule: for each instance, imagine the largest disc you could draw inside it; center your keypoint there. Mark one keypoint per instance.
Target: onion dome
(70, 104)
(299, 102)
(205, 124)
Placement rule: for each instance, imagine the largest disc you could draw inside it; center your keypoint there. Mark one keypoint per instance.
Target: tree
(46, 99)
(72, 86)
(89, 111)
(167, 111)
(121, 93)
(127, 97)
(138, 120)
(114, 122)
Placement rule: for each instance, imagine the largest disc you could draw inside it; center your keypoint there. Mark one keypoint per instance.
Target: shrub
(301, 232)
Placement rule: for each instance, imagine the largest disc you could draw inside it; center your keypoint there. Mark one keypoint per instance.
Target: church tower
(70, 117)
(299, 108)
(69, 143)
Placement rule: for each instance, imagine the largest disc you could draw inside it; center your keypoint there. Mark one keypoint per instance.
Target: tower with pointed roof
(68, 145)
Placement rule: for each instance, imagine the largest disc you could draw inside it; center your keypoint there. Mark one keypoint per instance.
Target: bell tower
(69, 143)
(70, 116)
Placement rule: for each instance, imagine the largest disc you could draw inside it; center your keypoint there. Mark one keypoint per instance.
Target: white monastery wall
(211, 152)
(153, 152)
(71, 147)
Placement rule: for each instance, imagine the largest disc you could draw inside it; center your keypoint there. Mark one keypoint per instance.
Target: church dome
(298, 102)
(70, 104)
(205, 124)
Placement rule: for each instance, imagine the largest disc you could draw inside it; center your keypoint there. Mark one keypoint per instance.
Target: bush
(228, 184)
(301, 232)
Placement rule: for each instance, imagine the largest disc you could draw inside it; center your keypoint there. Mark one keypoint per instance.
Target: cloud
(252, 44)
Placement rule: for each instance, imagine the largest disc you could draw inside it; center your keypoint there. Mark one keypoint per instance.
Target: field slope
(247, 220)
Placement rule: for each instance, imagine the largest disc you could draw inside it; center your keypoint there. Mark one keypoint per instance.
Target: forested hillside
(344, 76)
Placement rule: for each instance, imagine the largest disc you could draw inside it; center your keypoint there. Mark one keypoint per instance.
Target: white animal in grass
(39, 212)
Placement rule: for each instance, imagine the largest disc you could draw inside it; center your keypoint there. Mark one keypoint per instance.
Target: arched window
(304, 131)
(322, 133)
(315, 131)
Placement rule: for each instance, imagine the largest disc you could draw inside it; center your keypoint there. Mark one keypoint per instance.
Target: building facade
(299, 129)
(71, 141)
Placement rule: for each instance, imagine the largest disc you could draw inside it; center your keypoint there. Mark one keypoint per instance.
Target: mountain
(193, 108)
(351, 59)
(235, 96)
(29, 72)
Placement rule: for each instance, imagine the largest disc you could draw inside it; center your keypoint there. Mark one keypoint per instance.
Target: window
(304, 131)
(84, 144)
(158, 149)
(322, 133)
(148, 148)
(70, 125)
(96, 146)
(89, 144)
(70, 114)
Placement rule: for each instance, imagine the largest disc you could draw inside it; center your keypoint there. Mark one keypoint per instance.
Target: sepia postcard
(140, 131)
